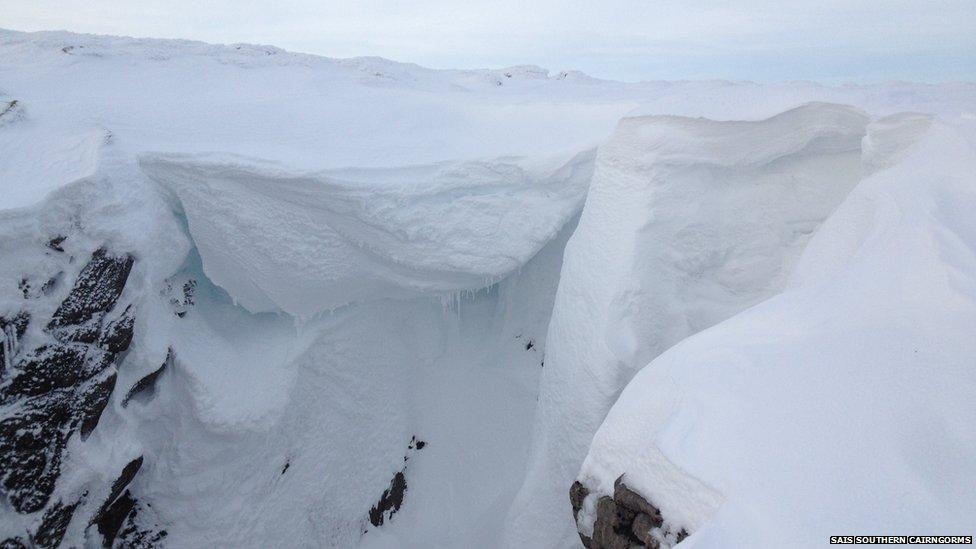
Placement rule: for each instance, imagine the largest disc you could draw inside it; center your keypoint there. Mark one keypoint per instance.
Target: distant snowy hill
(253, 298)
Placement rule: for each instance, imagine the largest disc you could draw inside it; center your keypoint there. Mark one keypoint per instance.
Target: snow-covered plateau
(253, 298)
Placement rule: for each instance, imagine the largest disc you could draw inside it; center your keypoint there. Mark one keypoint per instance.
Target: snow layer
(306, 243)
(844, 403)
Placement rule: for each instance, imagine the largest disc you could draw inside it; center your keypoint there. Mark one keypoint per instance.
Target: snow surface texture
(372, 251)
(866, 360)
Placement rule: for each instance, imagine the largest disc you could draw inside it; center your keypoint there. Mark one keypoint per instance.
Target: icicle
(298, 322)
(9, 335)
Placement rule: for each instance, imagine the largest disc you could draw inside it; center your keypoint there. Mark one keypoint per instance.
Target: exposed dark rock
(125, 477)
(84, 332)
(48, 368)
(633, 500)
(624, 520)
(146, 387)
(181, 299)
(61, 386)
(416, 443)
(117, 335)
(285, 468)
(51, 284)
(33, 440)
(132, 536)
(577, 493)
(392, 498)
(94, 401)
(55, 243)
(612, 528)
(29, 290)
(25, 287)
(642, 527)
(109, 521)
(31, 443)
(529, 345)
(189, 288)
(97, 289)
(13, 543)
(54, 525)
(390, 501)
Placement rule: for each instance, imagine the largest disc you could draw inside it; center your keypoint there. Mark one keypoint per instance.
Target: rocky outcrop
(96, 290)
(390, 501)
(54, 525)
(392, 498)
(131, 535)
(63, 385)
(60, 387)
(145, 388)
(621, 521)
(117, 519)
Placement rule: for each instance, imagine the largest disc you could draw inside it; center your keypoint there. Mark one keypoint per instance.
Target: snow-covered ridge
(312, 113)
(29, 48)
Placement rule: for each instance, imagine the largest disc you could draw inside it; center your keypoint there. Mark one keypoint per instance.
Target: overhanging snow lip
(461, 226)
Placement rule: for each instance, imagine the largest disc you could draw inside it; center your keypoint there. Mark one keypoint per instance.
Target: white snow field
(363, 275)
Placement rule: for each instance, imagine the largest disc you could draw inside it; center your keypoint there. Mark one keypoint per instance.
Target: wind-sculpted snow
(308, 243)
(687, 222)
(405, 227)
(842, 404)
(37, 162)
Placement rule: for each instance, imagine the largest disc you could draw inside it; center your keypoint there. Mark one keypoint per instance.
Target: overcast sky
(763, 40)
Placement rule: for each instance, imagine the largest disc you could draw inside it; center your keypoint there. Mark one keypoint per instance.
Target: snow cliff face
(851, 355)
(665, 249)
(255, 298)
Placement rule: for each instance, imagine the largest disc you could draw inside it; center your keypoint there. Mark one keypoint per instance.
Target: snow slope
(843, 404)
(336, 260)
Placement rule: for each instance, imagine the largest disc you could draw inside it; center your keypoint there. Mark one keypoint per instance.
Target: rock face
(116, 518)
(390, 501)
(96, 291)
(61, 386)
(622, 521)
(145, 388)
(392, 498)
(58, 388)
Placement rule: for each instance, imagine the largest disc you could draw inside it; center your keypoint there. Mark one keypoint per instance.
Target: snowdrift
(256, 298)
(843, 403)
